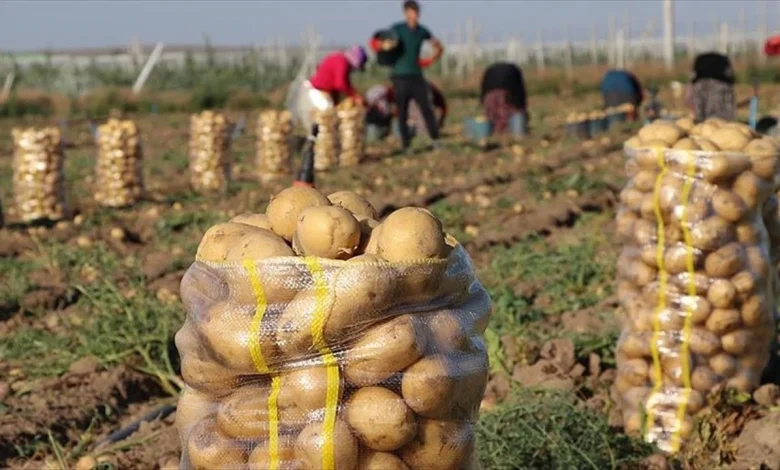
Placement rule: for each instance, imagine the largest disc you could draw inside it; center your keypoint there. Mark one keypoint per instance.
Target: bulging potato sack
(209, 151)
(302, 349)
(274, 144)
(351, 132)
(118, 170)
(326, 145)
(38, 191)
(694, 277)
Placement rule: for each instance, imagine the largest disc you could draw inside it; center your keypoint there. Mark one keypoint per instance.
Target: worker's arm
(438, 50)
(342, 82)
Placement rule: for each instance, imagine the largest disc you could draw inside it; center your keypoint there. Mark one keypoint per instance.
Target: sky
(64, 24)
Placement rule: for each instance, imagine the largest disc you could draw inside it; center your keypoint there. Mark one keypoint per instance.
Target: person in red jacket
(330, 84)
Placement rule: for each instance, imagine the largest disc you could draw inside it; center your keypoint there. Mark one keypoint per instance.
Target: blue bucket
(616, 118)
(578, 129)
(518, 124)
(596, 126)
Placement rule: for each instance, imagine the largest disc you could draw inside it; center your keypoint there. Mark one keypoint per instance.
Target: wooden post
(669, 34)
(627, 40)
(611, 42)
(9, 82)
(568, 58)
(594, 51)
(147, 69)
(724, 38)
(620, 49)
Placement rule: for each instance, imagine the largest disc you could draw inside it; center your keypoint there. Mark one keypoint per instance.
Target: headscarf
(357, 57)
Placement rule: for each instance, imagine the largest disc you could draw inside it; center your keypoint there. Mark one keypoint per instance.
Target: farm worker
(330, 83)
(621, 87)
(502, 94)
(380, 101)
(407, 75)
(713, 87)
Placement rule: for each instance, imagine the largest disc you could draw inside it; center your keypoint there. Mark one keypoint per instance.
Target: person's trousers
(413, 87)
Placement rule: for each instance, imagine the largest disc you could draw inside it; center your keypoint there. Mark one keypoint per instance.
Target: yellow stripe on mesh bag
(257, 358)
(690, 173)
(329, 360)
(662, 281)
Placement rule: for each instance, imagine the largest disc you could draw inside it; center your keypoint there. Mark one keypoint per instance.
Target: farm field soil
(88, 308)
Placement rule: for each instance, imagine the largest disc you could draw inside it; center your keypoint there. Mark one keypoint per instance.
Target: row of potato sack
(274, 145)
(38, 190)
(319, 337)
(696, 276)
(575, 117)
(209, 151)
(118, 170)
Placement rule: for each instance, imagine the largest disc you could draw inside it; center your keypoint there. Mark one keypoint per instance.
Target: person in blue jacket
(621, 87)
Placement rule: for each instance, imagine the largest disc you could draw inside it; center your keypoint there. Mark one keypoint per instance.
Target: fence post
(539, 52)
(724, 38)
(594, 50)
(762, 32)
(669, 34)
(147, 69)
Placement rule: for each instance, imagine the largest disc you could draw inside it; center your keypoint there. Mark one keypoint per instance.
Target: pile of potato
(344, 342)
(209, 151)
(274, 145)
(119, 175)
(698, 219)
(351, 132)
(326, 146)
(37, 175)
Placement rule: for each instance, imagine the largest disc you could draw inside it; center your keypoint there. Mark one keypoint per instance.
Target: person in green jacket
(407, 71)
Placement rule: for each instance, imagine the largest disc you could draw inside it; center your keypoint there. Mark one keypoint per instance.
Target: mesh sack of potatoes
(326, 145)
(38, 190)
(694, 276)
(351, 132)
(319, 338)
(209, 151)
(274, 144)
(118, 170)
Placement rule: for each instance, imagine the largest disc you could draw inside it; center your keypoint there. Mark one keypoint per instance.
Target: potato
(701, 282)
(447, 330)
(686, 144)
(711, 233)
(723, 320)
(729, 139)
(326, 232)
(728, 205)
(310, 385)
(726, 261)
(233, 241)
(705, 129)
(685, 123)
(703, 342)
(645, 180)
(752, 189)
(640, 274)
(209, 449)
(244, 414)
(743, 129)
(632, 423)
(684, 427)
(285, 207)
(676, 258)
(763, 157)
(309, 447)
(380, 419)
(226, 332)
(411, 234)
(744, 283)
(755, 312)
(384, 350)
(654, 144)
(721, 293)
(738, 342)
(705, 144)
(635, 397)
(633, 142)
(439, 445)
(369, 234)
(723, 364)
(704, 379)
(372, 460)
(664, 131)
(635, 345)
(260, 458)
(361, 291)
(624, 223)
(354, 203)
(699, 307)
(745, 380)
(634, 371)
(632, 198)
(197, 371)
(255, 220)
(193, 406)
(720, 167)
